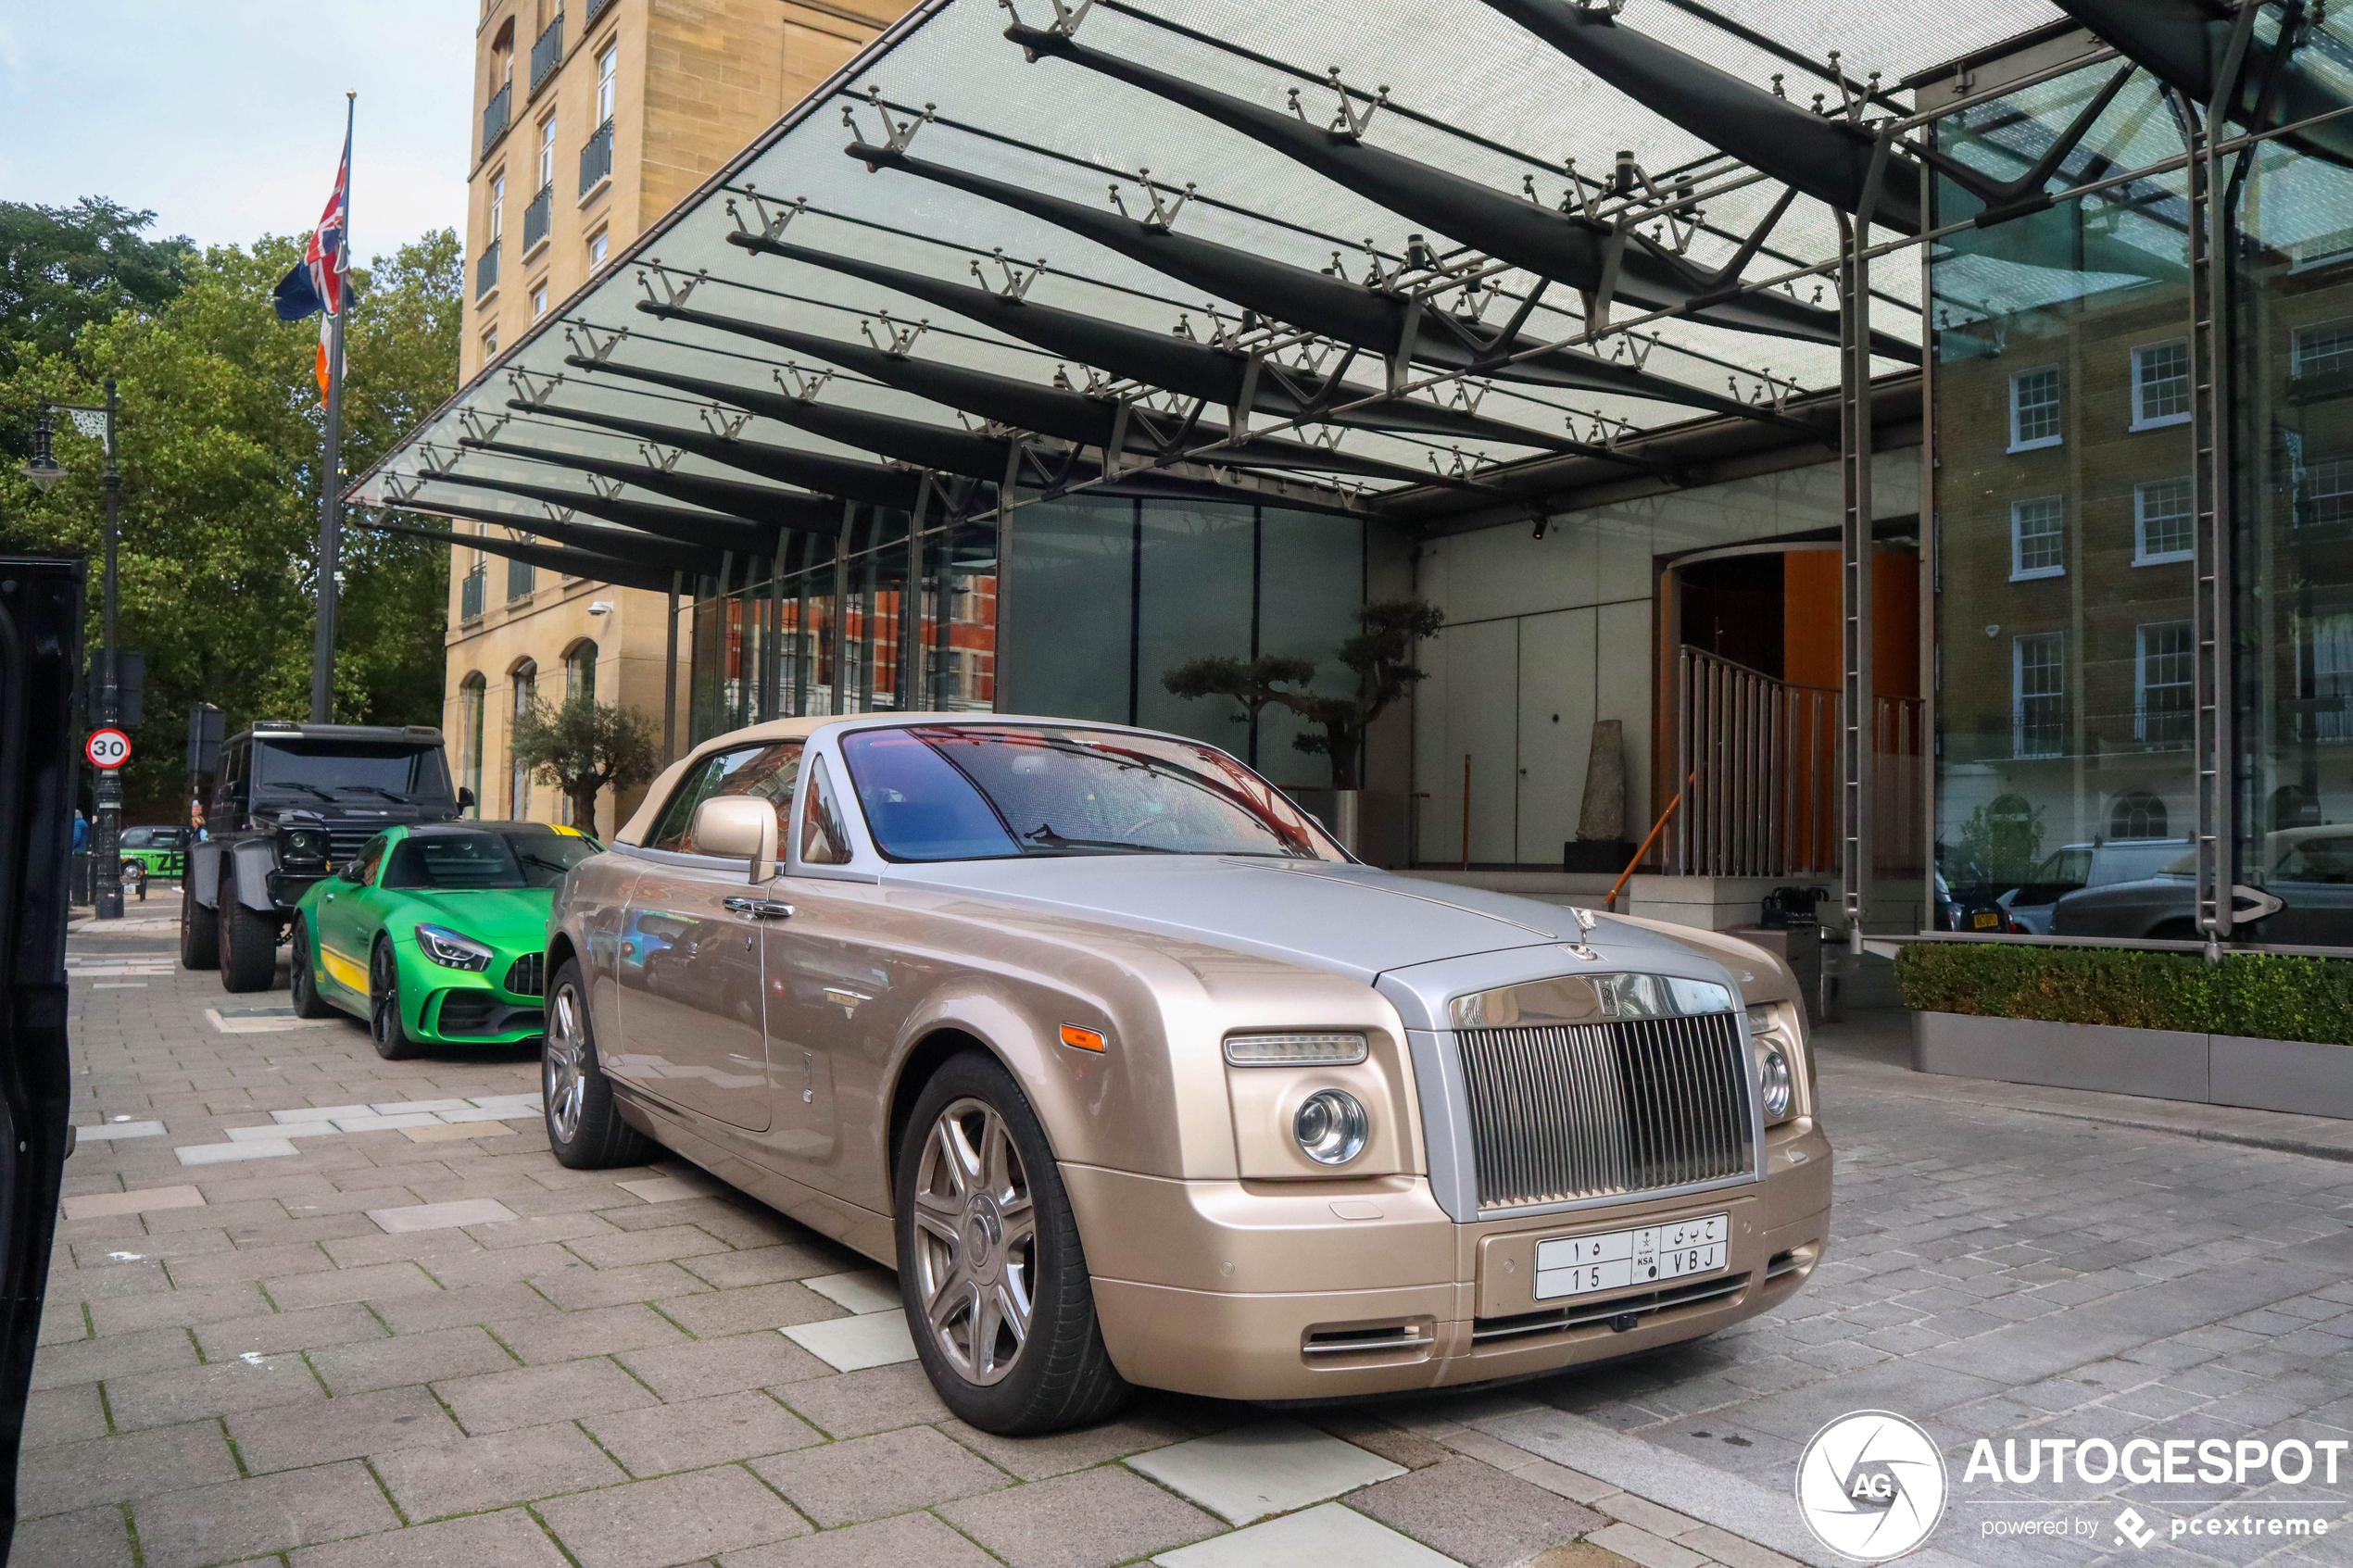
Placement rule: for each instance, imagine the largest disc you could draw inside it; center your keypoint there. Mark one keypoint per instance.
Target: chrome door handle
(759, 908)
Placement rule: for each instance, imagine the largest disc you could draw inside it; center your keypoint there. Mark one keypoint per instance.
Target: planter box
(2290, 1075)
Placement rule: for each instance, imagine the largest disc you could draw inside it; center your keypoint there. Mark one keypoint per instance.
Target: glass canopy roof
(1049, 262)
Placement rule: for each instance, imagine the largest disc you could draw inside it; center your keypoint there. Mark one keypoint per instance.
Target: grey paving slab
(160, 1398)
(470, 1475)
(59, 1478)
(675, 1519)
(871, 1477)
(390, 1362)
(694, 1433)
(1477, 1514)
(355, 1426)
(1091, 1519)
(703, 1367)
(596, 1330)
(853, 1404)
(902, 1542)
(237, 1519)
(509, 1538)
(501, 1401)
(113, 1355)
(89, 1538)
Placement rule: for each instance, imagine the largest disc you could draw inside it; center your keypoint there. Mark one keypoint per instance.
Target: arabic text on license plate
(1579, 1265)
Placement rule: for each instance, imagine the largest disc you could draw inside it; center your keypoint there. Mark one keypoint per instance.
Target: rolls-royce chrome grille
(1566, 1111)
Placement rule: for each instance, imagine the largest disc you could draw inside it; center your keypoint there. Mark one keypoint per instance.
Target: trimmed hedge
(2266, 995)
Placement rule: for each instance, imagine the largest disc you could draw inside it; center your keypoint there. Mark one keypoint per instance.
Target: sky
(225, 116)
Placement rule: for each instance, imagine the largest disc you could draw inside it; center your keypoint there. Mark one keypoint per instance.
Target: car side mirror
(465, 799)
(736, 827)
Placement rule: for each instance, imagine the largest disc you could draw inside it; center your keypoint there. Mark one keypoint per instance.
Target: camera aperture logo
(1870, 1486)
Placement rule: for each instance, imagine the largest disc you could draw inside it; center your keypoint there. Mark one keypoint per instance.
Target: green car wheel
(384, 1025)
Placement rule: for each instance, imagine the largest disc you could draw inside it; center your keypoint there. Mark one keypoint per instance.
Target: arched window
(2136, 814)
(580, 671)
(524, 684)
(473, 704)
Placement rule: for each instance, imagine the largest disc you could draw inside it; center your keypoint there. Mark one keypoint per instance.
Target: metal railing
(537, 217)
(486, 270)
(474, 590)
(596, 159)
(547, 51)
(495, 116)
(522, 578)
(1760, 760)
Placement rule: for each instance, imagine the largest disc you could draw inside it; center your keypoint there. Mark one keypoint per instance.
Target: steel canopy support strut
(1858, 709)
(2212, 383)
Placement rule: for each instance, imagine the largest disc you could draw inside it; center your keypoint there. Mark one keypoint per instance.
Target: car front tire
(585, 1128)
(989, 1263)
(387, 1028)
(248, 946)
(303, 980)
(199, 938)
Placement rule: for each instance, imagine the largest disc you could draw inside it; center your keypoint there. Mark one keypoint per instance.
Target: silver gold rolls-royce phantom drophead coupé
(1137, 1078)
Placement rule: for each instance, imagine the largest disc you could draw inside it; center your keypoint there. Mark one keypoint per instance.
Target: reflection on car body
(2064, 871)
(1137, 1077)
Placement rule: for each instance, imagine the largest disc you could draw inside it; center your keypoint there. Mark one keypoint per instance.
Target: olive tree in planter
(585, 746)
(1381, 654)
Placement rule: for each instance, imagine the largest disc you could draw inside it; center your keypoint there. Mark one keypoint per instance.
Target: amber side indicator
(1085, 1039)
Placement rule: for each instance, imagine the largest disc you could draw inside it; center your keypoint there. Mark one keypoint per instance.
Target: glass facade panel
(1197, 570)
(2292, 440)
(1069, 651)
(2064, 509)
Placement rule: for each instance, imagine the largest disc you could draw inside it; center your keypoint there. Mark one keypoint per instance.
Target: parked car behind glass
(2306, 898)
(1138, 1078)
(2084, 865)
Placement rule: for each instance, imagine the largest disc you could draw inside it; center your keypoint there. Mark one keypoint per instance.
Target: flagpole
(322, 648)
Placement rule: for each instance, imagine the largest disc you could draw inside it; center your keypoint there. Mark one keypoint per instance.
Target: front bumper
(1266, 1290)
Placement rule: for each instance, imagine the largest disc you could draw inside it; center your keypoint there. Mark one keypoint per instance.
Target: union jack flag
(316, 282)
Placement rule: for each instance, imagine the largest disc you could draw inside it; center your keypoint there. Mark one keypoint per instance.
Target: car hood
(506, 918)
(1349, 920)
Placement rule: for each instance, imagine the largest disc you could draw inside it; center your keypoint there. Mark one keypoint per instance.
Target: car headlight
(302, 847)
(1322, 1050)
(1779, 1088)
(453, 949)
(1776, 1079)
(1331, 1126)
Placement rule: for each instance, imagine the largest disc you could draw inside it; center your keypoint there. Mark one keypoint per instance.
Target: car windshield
(484, 862)
(981, 793)
(351, 769)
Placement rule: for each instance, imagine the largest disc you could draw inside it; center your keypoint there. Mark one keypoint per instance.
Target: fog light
(1773, 1073)
(1330, 1127)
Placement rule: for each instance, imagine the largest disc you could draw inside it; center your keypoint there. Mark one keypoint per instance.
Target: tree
(585, 746)
(220, 436)
(1380, 655)
(1999, 842)
(65, 268)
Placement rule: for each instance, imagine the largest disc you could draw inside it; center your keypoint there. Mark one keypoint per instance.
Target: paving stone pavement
(300, 1357)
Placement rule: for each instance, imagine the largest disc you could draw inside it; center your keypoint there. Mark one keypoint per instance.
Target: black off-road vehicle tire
(248, 946)
(199, 940)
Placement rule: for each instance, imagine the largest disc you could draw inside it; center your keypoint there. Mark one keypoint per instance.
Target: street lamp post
(106, 831)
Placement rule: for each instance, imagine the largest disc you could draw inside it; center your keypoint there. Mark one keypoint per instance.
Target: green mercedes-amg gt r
(436, 934)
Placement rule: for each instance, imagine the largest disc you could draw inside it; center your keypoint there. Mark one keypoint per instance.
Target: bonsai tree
(584, 745)
(1380, 655)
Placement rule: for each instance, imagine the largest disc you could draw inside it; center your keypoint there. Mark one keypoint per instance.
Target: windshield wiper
(379, 789)
(289, 783)
(1046, 836)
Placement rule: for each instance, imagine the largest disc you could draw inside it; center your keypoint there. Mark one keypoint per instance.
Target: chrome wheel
(976, 1241)
(562, 1076)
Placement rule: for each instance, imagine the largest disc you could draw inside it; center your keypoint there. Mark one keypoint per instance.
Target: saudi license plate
(1985, 919)
(1579, 1265)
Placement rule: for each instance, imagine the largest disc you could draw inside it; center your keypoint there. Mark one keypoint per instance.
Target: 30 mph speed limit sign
(107, 749)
